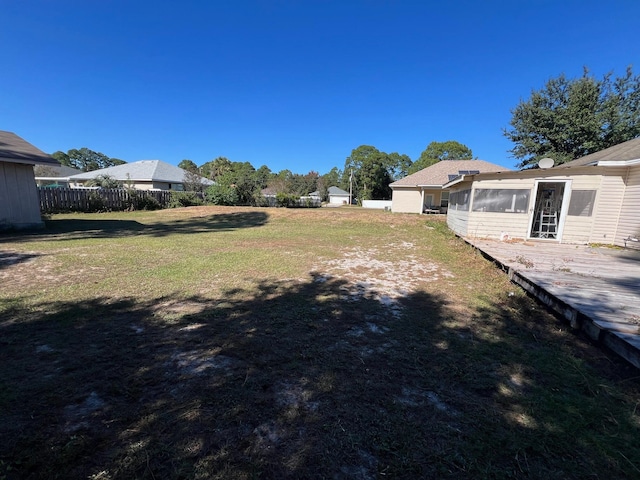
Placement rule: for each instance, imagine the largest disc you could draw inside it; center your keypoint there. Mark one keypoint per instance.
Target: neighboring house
(315, 196)
(337, 196)
(422, 192)
(19, 201)
(53, 176)
(142, 175)
(268, 192)
(594, 199)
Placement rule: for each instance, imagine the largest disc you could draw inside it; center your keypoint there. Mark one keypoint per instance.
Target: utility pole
(351, 187)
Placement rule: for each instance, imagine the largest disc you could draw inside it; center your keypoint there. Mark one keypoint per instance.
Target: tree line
(367, 173)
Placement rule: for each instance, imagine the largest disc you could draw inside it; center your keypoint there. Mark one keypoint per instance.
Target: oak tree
(570, 118)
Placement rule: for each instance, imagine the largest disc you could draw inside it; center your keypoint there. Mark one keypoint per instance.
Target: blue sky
(292, 84)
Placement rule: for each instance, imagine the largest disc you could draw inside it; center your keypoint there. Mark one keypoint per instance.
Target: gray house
(142, 175)
(52, 176)
(19, 202)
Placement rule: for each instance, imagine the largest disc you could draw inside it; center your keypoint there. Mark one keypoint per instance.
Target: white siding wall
(339, 199)
(608, 206)
(405, 200)
(377, 204)
(19, 202)
(629, 223)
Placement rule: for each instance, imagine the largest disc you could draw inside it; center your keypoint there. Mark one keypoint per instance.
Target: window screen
(459, 200)
(501, 200)
(581, 204)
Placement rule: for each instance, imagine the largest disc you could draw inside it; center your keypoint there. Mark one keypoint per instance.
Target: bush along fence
(56, 200)
(289, 201)
(59, 200)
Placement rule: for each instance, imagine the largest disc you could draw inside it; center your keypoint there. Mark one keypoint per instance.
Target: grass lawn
(338, 343)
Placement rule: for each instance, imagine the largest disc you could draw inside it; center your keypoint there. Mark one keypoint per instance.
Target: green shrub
(184, 199)
(286, 200)
(141, 201)
(221, 195)
(96, 202)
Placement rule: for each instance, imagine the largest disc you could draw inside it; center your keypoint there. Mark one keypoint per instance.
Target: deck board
(600, 283)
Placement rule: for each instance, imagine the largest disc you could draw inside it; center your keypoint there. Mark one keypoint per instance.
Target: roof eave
(417, 185)
(618, 163)
(32, 161)
(460, 179)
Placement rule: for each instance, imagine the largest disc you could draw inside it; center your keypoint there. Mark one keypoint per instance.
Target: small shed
(594, 199)
(19, 201)
(422, 192)
(337, 196)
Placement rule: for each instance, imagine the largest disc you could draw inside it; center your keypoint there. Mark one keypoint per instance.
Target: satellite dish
(546, 163)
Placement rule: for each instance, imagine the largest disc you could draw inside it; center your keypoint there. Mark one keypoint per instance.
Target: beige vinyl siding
(492, 225)
(406, 200)
(577, 229)
(19, 202)
(458, 221)
(580, 229)
(608, 206)
(629, 223)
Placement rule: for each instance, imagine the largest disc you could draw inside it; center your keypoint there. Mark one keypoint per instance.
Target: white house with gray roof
(141, 175)
(422, 192)
(337, 196)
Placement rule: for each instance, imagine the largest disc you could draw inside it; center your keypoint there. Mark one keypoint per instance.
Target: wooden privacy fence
(53, 200)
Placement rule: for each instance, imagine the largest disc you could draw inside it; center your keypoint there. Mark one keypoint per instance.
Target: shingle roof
(14, 149)
(143, 170)
(336, 191)
(629, 150)
(438, 174)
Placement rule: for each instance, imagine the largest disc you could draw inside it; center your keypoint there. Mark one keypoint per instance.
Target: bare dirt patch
(385, 274)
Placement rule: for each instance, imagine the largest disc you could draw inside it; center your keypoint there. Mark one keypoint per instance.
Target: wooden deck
(596, 288)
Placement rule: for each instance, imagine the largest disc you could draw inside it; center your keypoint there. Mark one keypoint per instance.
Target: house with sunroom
(422, 191)
(594, 199)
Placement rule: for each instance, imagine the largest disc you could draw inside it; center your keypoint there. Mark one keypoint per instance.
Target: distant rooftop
(444, 171)
(141, 171)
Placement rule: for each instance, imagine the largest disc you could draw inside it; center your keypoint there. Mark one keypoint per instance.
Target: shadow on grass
(11, 258)
(315, 379)
(73, 229)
